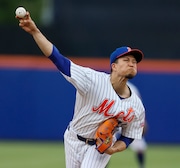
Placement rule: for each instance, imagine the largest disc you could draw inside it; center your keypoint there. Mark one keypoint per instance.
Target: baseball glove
(104, 134)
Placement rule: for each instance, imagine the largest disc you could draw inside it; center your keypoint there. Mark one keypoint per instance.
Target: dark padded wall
(96, 28)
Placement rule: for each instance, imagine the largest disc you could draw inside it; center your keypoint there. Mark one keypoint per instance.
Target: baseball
(20, 12)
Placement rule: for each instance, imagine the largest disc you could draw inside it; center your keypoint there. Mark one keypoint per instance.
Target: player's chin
(130, 75)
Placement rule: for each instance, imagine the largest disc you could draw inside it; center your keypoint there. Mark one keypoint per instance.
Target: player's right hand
(27, 24)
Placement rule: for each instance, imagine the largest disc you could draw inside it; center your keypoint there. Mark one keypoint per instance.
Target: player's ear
(113, 65)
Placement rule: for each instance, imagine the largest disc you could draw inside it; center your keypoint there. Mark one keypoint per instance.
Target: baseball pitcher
(103, 103)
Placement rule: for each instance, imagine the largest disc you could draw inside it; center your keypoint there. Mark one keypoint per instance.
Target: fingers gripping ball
(104, 134)
(20, 12)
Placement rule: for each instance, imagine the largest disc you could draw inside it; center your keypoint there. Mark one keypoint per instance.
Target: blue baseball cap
(122, 51)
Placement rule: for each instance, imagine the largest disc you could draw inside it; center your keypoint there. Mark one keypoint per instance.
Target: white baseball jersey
(97, 101)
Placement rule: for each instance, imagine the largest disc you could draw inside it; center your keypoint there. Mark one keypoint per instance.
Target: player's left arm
(130, 132)
(120, 145)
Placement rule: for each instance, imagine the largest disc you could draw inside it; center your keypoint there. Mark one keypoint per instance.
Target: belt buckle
(89, 140)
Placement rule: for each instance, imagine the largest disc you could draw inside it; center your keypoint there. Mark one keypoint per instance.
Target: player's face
(125, 66)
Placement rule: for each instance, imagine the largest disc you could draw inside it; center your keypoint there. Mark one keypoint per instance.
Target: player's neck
(124, 92)
(121, 88)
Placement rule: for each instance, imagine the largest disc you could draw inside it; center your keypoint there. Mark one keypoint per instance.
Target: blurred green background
(7, 10)
(50, 154)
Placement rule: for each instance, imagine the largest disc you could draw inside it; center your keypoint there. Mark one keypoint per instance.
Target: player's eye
(134, 61)
(126, 59)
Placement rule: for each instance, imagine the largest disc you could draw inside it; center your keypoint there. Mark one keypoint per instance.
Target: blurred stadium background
(36, 103)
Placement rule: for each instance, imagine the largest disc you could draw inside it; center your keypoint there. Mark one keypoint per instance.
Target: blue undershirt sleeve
(61, 62)
(126, 140)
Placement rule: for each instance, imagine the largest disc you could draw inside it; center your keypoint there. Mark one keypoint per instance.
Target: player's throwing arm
(27, 24)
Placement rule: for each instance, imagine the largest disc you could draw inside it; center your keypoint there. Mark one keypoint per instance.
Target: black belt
(87, 140)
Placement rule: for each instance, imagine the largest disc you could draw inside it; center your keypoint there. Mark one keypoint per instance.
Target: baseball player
(99, 96)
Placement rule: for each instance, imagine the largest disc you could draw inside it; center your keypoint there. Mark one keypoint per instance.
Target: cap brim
(138, 54)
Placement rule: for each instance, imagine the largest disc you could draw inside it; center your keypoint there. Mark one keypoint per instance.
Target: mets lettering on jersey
(105, 106)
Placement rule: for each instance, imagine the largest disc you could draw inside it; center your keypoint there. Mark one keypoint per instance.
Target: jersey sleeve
(61, 62)
(80, 77)
(77, 75)
(135, 128)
